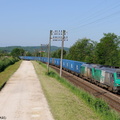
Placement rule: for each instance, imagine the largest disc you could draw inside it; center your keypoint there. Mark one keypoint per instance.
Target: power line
(91, 16)
(97, 20)
(96, 14)
(91, 9)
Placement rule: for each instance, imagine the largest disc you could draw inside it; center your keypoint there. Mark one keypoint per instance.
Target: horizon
(32, 46)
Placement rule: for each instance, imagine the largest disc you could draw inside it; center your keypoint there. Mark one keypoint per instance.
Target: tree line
(106, 52)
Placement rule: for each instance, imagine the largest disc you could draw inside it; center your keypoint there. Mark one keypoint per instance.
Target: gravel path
(22, 97)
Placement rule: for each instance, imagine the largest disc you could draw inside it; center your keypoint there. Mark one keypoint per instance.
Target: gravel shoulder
(22, 97)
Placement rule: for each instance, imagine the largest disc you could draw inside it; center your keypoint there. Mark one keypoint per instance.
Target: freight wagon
(103, 76)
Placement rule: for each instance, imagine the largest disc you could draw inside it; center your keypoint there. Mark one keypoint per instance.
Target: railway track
(112, 99)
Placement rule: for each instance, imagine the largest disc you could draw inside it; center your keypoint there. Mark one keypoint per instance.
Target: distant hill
(30, 48)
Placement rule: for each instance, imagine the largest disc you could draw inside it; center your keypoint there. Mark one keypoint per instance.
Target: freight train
(104, 76)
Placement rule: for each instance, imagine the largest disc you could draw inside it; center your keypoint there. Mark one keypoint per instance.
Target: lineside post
(60, 35)
(63, 33)
(49, 46)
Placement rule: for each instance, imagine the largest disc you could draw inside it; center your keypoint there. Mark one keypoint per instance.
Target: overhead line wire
(97, 20)
(98, 15)
(91, 9)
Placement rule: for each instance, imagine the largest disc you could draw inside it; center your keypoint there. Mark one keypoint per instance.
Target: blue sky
(28, 22)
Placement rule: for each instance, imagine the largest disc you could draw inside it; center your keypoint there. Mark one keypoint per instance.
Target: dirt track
(22, 97)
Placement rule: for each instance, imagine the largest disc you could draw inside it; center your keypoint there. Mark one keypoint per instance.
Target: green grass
(64, 104)
(100, 107)
(6, 61)
(5, 75)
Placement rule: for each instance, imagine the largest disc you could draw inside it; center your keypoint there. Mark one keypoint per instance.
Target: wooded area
(106, 52)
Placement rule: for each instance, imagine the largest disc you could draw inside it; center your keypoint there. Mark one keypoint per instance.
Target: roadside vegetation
(68, 102)
(64, 105)
(104, 52)
(6, 61)
(5, 75)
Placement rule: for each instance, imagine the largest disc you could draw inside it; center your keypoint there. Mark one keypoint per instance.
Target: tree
(16, 52)
(82, 50)
(57, 53)
(28, 53)
(107, 50)
(4, 53)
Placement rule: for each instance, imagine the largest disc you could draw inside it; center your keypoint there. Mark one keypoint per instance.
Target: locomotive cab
(117, 80)
(111, 78)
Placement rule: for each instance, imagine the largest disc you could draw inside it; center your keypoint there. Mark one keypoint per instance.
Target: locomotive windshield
(118, 75)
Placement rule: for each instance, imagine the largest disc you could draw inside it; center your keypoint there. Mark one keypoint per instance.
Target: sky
(28, 22)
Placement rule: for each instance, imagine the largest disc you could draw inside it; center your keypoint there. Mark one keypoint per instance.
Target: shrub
(6, 62)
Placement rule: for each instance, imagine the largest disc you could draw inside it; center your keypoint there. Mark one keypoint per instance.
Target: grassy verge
(6, 61)
(4, 76)
(64, 104)
(99, 107)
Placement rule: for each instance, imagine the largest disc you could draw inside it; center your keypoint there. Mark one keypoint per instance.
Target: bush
(4, 63)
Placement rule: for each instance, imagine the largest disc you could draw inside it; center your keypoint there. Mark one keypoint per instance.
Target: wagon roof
(101, 67)
(111, 70)
(91, 65)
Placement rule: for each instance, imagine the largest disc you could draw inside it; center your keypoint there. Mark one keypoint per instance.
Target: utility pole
(41, 50)
(59, 35)
(49, 46)
(63, 33)
(45, 46)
